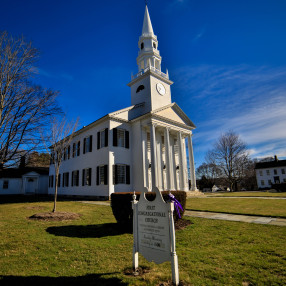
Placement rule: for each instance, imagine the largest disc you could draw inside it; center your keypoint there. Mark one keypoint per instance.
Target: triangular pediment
(174, 113)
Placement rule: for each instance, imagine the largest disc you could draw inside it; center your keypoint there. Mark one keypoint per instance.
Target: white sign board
(154, 233)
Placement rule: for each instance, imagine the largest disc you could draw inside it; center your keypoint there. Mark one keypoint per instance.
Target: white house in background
(272, 172)
(143, 145)
(24, 181)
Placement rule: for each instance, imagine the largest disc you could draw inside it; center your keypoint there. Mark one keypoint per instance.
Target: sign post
(154, 232)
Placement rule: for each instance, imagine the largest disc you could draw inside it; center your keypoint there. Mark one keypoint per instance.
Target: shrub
(121, 204)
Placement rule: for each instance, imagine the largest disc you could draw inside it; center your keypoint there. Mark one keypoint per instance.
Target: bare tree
(230, 155)
(58, 143)
(36, 159)
(25, 108)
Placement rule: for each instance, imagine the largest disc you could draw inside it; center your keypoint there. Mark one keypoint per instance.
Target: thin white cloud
(61, 75)
(248, 100)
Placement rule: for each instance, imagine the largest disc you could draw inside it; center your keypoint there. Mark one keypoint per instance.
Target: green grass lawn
(92, 251)
(247, 206)
(247, 194)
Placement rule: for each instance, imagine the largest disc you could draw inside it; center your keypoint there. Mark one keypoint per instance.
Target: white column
(159, 166)
(145, 158)
(182, 165)
(153, 156)
(192, 164)
(110, 172)
(169, 161)
(175, 182)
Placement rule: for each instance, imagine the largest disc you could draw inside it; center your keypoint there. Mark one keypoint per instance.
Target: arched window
(142, 46)
(154, 45)
(139, 88)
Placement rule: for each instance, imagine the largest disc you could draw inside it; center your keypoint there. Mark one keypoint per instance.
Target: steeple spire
(147, 29)
(149, 55)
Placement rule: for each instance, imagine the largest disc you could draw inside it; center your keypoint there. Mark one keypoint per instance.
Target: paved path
(241, 218)
(221, 216)
(223, 197)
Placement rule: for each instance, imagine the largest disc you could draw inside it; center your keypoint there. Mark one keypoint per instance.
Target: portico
(164, 150)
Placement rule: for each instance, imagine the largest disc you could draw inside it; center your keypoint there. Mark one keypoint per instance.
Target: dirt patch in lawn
(170, 283)
(138, 272)
(35, 208)
(55, 216)
(182, 223)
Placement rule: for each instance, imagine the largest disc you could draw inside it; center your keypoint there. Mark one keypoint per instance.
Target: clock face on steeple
(160, 88)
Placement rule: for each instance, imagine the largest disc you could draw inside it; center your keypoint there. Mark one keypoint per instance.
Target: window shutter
(73, 149)
(126, 139)
(106, 137)
(98, 140)
(115, 175)
(77, 178)
(115, 137)
(105, 175)
(68, 178)
(83, 177)
(78, 148)
(59, 180)
(72, 178)
(90, 143)
(64, 174)
(89, 180)
(84, 145)
(127, 174)
(97, 175)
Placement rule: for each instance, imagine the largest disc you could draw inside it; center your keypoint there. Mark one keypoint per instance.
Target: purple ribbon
(176, 204)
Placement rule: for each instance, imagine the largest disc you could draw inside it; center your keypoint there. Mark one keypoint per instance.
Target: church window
(51, 181)
(283, 171)
(65, 179)
(142, 46)
(102, 138)
(275, 172)
(120, 138)
(5, 184)
(262, 182)
(69, 152)
(75, 178)
(86, 177)
(154, 45)
(73, 150)
(87, 144)
(78, 148)
(52, 158)
(102, 175)
(139, 88)
(121, 174)
(268, 172)
(260, 173)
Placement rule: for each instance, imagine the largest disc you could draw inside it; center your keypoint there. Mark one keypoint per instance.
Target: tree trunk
(56, 193)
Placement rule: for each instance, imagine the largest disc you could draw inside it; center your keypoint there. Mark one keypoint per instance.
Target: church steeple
(147, 25)
(150, 86)
(149, 54)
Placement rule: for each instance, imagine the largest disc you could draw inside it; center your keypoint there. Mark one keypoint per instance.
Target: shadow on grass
(88, 231)
(91, 279)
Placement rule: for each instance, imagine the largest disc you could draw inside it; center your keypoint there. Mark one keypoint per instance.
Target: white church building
(144, 145)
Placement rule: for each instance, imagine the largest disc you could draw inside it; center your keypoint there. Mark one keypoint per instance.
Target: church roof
(270, 164)
(19, 172)
(147, 29)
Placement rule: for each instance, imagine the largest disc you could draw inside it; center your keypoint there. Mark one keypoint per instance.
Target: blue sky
(227, 60)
